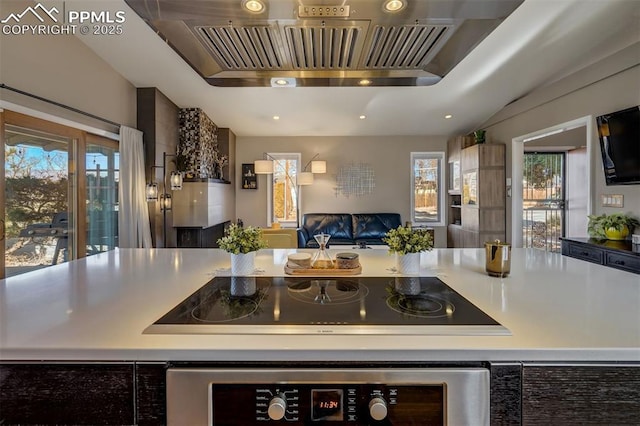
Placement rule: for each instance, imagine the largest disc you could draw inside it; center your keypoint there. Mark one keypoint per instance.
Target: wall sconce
(151, 191)
(175, 184)
(165, 202)
(176, 181)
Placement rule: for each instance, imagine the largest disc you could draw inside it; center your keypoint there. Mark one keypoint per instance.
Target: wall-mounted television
(620, 146)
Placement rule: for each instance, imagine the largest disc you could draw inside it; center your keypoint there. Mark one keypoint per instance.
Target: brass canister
(498, 258)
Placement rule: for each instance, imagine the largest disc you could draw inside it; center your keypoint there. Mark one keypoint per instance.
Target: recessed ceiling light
(393, 5)
(448, 116)
(362, 117)
(283, 82)
(276, 117)
(253, 6)
(364, 82)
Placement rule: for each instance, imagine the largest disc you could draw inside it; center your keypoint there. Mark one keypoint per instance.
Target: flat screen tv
(620, 146)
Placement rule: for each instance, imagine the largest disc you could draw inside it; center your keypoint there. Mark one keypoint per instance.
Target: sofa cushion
(338, 225)
(372, 227)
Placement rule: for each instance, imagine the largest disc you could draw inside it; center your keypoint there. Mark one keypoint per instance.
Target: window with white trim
(427, 188)
(282, 194)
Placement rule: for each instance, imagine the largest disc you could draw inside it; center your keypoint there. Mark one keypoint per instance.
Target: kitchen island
(560, 312)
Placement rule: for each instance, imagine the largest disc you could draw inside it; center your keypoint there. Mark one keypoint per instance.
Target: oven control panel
(349, 396)
(322, 403)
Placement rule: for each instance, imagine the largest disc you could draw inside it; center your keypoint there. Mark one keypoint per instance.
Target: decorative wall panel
(198, 145)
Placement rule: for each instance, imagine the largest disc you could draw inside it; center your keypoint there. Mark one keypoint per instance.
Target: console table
(615, 254)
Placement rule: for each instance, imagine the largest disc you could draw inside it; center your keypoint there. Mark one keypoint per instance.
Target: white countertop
(557, 309)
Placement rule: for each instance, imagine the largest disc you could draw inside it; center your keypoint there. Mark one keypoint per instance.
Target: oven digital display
(326, 405)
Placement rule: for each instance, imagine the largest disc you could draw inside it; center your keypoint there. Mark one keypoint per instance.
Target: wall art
(355, 179)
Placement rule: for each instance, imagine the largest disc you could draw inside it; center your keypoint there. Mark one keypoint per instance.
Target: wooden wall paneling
(157, 118)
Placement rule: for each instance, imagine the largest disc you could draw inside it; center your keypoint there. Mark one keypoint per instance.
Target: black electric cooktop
(322, 305)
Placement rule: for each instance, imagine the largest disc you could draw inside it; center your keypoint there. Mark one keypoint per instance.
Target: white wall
(388, 156)
(63, 69)
(608, 86)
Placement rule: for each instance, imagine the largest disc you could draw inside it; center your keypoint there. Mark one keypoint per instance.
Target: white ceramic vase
(243, 263)
(408, 264)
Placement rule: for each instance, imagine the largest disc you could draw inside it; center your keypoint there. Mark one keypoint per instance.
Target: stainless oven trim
(467, 394)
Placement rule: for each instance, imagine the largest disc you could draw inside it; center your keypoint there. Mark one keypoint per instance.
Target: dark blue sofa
(346, 228)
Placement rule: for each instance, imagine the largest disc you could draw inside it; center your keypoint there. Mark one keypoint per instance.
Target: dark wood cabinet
(90, 394)
(580, 394)
(151, 394)
(506, 402)
(615, 254)
(119, 393)
(128, 393)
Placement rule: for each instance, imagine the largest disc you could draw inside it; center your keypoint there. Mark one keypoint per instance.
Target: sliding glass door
(102, 176)
(37, 202)
(58, 194)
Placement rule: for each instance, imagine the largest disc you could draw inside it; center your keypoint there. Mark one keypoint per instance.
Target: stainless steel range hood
(323, 43)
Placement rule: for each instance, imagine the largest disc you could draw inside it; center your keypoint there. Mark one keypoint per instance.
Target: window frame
(430, 155)
(297, 156)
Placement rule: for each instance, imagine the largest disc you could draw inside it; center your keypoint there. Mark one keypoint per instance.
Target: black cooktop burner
(310, 305)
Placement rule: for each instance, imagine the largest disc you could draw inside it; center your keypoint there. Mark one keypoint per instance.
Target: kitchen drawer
(627, 262)
(584, 252)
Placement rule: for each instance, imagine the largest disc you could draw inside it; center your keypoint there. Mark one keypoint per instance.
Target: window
(427, 188)
(282, 193)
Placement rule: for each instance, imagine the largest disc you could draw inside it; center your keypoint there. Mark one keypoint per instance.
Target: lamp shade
(319, 166)
(263, 167)
(151, 191)
(176, 181)
(305, 178)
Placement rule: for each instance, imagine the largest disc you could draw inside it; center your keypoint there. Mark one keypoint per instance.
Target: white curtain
(133, 218)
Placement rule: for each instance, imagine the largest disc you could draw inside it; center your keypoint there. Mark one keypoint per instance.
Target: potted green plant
(615, 226)
(479, 136)
(408, 242)
(242, 243)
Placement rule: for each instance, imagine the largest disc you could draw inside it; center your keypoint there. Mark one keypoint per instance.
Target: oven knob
(378, 409)
(277, 408)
